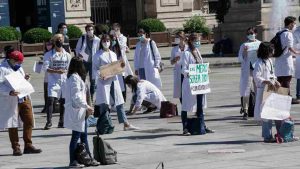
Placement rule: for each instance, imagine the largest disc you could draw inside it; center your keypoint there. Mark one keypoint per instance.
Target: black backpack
(82, 155)
(103, 152)
(276, 41)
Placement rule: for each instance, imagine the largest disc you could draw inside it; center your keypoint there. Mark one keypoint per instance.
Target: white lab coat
(127, 71)
(148, 92)
(81, 47)
(56, 82)
(246, 74)
(102, 58)
(284, 65)
(9, 116)
(189, 101)
(150, 64)
(263, 70)
(75, 103)
(177, 70)
(296, 35)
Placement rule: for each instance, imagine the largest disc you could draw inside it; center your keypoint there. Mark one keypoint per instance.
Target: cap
(16, 55)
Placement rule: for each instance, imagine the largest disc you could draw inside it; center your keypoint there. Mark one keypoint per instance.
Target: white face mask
(90, 33)
(251, 37)
(294, 28)
(177, 40)
(106, 45)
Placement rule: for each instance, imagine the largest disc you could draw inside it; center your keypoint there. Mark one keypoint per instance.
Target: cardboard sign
(199, 79)
(112, 69)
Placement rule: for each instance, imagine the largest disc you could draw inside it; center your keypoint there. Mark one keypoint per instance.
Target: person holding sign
(247, 56)
(264, 75)
(190, 102)
(15, 110)
(175, 59)
(56, 63)
(108, 88)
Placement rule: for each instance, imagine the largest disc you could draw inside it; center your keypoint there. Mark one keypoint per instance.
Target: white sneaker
(131, 127)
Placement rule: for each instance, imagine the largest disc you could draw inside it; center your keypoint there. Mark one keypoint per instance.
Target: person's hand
(177, 58)
(90, 110)
(102, 77)
(13, 93)
(277, 84)
(61, 71)
(136, 72)
(27, 76)
(123, 64)
(245, 52)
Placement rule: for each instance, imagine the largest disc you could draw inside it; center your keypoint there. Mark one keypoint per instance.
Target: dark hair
(180, 33)
(104, 37)
(116, 25)
(299, 19)
(116, 48)
(47, 41)
(59, 26)
(288, 20)
(192, 38)
(251, 30)
(8, 49)
(265, 50)
(76, 66)
(132, 81)
(144, 31)
(88, 26)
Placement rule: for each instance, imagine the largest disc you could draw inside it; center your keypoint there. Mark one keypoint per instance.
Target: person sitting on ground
(145, 91)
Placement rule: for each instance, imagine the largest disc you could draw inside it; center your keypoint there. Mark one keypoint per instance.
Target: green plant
(222, 9)
(74, 32)
(7, 34)
(36, 35)
(17, 33)
(152, 25)
(196, 24)
(101, 29)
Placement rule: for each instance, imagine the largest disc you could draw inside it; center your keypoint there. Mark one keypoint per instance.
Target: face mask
(106, 45)
(65, 31)
(141, 38)
(251, 37)
(294, 28)
(177, 40)
(113, 43)
(197, 44)
(90, 33)
(16, 67)
(58, 44)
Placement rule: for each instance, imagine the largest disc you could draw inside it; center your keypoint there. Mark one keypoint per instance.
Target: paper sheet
(37, 67)
(84, 56)
(19, 84)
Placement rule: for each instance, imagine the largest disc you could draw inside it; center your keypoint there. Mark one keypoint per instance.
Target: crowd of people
(76, 82)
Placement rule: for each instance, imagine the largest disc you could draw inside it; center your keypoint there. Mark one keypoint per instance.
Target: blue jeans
(298, 89)
(142, 74)
(200, 115)
(89, 69)
(74, 140)
(267, 128)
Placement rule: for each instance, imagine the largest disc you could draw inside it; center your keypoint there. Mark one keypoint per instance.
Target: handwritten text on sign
(199, 79)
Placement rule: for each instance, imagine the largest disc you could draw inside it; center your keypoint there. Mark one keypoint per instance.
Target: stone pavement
(160, 140)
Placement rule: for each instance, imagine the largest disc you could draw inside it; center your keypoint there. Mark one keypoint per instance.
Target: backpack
(103, 152)
(276, 41)
(161, 65)
(82, 155)
(104, 123)
(286, 131)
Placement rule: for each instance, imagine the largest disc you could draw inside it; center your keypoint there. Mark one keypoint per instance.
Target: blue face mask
(197, 44)
(65, 31)
(16, 67)
(141, 38)
(251, 37)
(113, 43)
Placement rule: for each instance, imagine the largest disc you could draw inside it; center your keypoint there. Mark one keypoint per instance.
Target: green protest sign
(199, 79)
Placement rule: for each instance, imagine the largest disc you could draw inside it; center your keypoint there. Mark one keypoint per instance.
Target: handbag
(168, 109)
(82, 155)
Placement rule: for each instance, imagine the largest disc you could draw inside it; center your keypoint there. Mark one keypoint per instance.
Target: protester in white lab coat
(56, 63)
(116, 31)
(264, 76)
(16, 111)
(144, 90)
(175, 59)
(297, 68)
(108, 88)
(63, 29)
(247, 56)
(192, 103)
(77, 109)
(147, 60)
(87, 46)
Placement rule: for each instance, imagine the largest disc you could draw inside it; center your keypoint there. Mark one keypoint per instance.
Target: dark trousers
(45, 96)
(83, 136)
(50, 109)
(26, 115)
(89, 69)
(180, 99)
(200, 115)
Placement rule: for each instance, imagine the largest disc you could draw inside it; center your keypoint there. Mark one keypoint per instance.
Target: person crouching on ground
(14, 109)
(145, 91)
(77, 109)
(264, 75)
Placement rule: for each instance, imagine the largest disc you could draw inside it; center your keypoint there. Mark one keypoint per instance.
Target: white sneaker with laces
(131, 127)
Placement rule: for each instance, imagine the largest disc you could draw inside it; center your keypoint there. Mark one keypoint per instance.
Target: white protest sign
(199, 79)
(37, 67)
(19, 84)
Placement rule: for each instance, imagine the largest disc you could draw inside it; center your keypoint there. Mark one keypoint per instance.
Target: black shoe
(208, 130)
(48, 126)
(75, 164)
(270, 140)
(17, 152)
(32, 150)
(186, 132)
(149, 110)
(94, 163)
(60, 125)
(245, 116)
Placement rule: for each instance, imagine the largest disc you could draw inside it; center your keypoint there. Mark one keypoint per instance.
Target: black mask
(58, 44)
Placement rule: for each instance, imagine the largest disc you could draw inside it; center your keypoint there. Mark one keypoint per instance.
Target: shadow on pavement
(46, 168)
(58, 135)
(144, 137)
(221, 142)
(227, 106)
